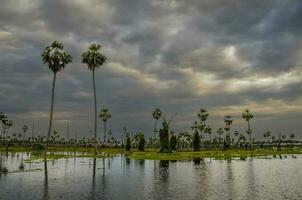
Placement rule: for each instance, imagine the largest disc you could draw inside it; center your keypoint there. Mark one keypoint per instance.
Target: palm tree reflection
(164, 170)
(93, 193)
(45, 189)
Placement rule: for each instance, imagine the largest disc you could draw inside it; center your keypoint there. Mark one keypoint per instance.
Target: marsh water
(121, 178)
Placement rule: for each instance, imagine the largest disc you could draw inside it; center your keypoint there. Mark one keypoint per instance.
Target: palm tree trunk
(154, 133)
(249, 128)
(95, 111)
(51, 108)
(105, 131)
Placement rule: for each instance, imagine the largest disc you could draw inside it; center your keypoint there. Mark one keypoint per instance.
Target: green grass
(151, 154)
(216, 154)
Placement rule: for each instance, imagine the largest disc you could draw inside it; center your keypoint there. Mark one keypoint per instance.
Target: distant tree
(228, 122)
(24, 128)
(202, 115)
(104, 115)
(208, 131)
(219, 132)
(247, 116)
(128, 142)
(156, 114)
(164, 138)
(56, 59)
(292, 137)
(94, 59)
(173, 142)
(236, 134)
(141, 143)
(196, 141)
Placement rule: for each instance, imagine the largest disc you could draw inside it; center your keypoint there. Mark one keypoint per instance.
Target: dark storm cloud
(176, 55)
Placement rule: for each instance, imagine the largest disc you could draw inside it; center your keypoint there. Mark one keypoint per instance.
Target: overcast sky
(180, 56)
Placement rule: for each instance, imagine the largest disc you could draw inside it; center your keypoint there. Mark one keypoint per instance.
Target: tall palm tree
(56, 59)
(104, 115)
(156, 114)
(247, 116)
(94, 59)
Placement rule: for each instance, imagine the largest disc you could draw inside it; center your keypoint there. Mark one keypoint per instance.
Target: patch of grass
(152, 154)
(216, 154)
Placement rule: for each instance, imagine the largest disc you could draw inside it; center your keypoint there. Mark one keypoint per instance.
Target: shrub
(196, 141)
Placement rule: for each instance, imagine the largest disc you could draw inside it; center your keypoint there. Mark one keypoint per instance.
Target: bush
(38, 147)
(164, 138)
(128, 143)
(141, 144)
(173, 142)
(196, 141)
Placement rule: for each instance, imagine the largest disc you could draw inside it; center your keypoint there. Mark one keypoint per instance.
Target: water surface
(121, 178)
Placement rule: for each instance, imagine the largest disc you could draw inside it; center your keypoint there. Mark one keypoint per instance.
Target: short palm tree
(156, 114)
(24, 128)
(203, 116)
(292, 137)
(104, 115)
(94, 59)
(219, 132)
(247, 116)
(56, 59)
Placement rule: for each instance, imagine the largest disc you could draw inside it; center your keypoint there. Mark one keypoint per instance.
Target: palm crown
(247, 115)
(56, 57)
(203, 115)
(156, 114)
(104, 114)
(93, 57)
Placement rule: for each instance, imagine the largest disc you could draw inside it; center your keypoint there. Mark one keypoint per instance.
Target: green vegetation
(216, 154)
(150, 154)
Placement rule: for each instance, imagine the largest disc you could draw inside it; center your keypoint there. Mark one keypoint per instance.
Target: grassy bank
(216, 154)
(150, 154)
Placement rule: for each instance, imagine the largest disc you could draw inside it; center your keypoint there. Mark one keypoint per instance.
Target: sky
(177, 55)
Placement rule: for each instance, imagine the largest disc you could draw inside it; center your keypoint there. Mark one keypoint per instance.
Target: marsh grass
(151, 154)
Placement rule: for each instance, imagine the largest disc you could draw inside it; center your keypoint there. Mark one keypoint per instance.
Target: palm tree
(292, 136)
(247, 116)
(156, 114)
(268, 134)
(208, 130)
(94, 59)
(219, 132)
(203, 116)
(104, 115)
(24, 128)
(236, 133)
(56, 59)
(228, 122)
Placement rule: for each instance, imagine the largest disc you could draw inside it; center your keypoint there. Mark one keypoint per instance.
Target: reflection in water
(21, 166)
(251, 179)
(45, 189)
(230, 179)
(164, 170)
(93, 193)
(145, 179)
(141, 162)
